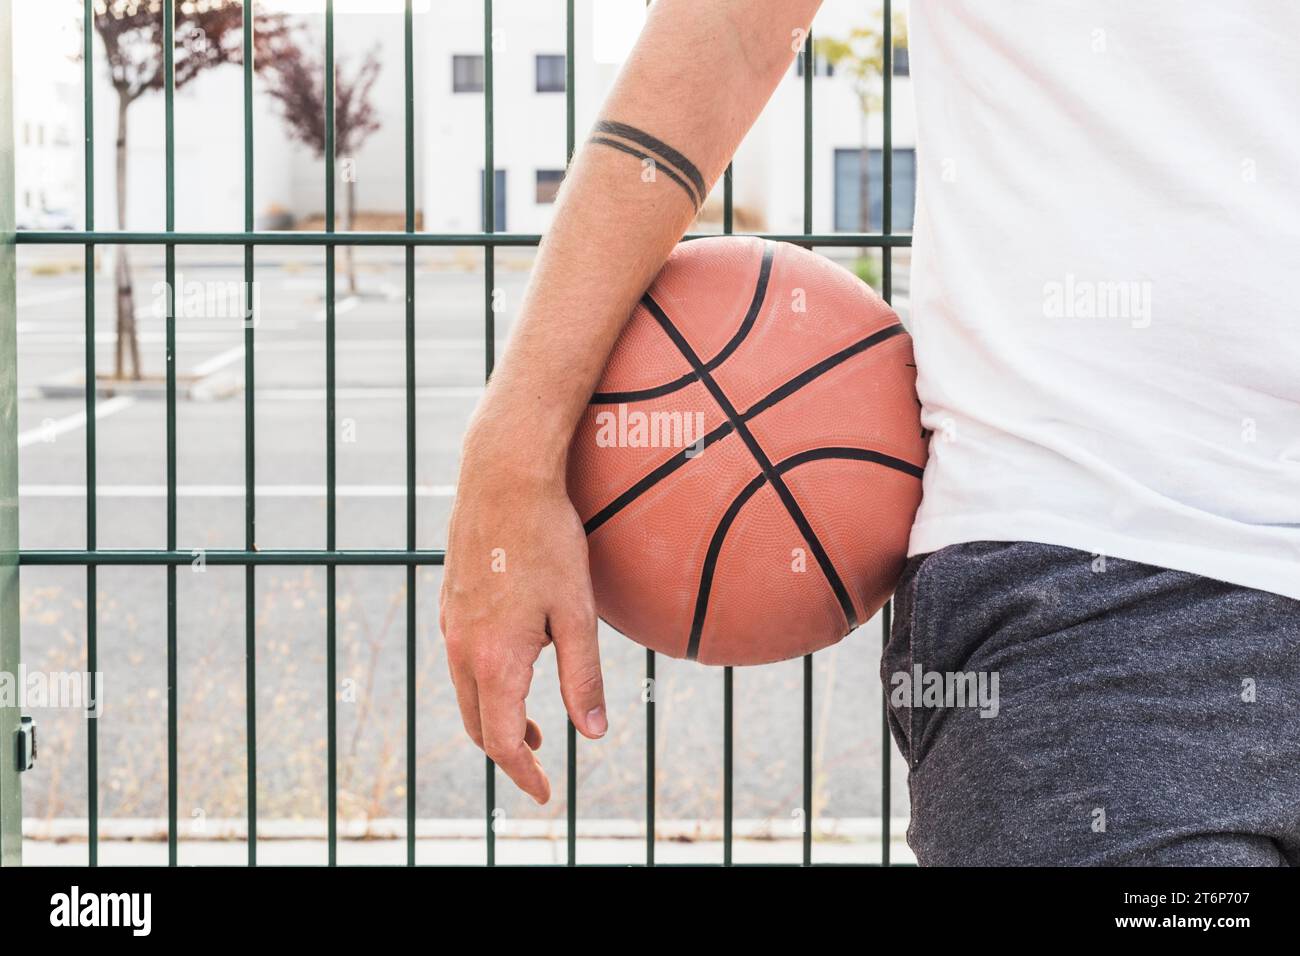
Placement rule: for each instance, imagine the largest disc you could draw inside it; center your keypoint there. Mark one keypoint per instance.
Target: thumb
(577, 655)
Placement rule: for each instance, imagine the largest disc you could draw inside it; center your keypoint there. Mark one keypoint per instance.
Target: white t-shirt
(1104, 279)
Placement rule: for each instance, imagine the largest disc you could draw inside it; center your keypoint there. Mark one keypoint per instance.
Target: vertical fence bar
(650, 745)
(92, 571)
(886, 743)
(728, 761)
(250, 464)
(887, 156)
(169, 91)
(728, 676)
(489, 191)
(570, 127)
(809, 67)
(807, 758)
(489, 335)
(650, 690)
(571, 732)
(331, 488)
(408, 60)
(887, 290)
(11, 806)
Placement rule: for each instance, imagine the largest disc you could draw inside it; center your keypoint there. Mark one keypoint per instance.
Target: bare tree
(206, 35)
(297, 81)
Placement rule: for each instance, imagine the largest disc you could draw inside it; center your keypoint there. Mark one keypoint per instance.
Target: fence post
(11, 808)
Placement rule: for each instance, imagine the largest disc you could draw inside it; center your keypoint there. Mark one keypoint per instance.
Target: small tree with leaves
(207, 34)
(296, 80)
(861, 55)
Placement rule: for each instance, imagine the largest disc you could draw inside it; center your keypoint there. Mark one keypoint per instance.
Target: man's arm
(516, 574)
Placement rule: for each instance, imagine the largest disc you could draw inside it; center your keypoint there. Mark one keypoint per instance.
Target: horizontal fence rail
(250, 557)
(408, 238)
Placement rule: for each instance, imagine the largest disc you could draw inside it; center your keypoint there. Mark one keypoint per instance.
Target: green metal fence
(10, 790)
(250, 557)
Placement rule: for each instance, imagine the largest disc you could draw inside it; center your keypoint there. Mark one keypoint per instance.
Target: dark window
(548, 184)
(821, 65)
(901, 65)
(859, 191)
(498, 199)
(550, 73)
(467, 73)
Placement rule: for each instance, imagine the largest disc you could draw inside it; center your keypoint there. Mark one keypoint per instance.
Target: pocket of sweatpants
(898, 656)
(959, 598)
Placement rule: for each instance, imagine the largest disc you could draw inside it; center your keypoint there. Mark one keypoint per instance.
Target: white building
(529, 126)
(530, 121)
(47, 123)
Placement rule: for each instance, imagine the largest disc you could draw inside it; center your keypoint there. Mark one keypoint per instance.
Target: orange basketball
(750, 465)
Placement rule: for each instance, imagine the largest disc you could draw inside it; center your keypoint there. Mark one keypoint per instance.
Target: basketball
(749, 467)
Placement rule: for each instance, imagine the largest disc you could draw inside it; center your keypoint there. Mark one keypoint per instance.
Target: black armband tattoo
(638, 143)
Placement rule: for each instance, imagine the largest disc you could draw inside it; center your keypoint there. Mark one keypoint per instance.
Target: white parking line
(220, 360)
(50, 295)
(354, 394)
(341, 307)
(52, 428)
(370, 345)
(108, 337)
(234, 491)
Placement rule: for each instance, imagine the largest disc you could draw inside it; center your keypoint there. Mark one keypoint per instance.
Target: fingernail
(596, 722)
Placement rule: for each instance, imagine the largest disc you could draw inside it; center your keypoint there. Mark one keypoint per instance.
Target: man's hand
(516, 579)
(516, 575)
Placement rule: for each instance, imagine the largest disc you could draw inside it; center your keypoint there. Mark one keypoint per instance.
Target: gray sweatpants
(1129, 714)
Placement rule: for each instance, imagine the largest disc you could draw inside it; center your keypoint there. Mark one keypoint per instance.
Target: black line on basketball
(654, 477)
(784, 391)
(711, 563)
(746, 324)
(821, 368)
(854, 454)
(655, 391)
(729, 518)
(783, 492)
(751, 314)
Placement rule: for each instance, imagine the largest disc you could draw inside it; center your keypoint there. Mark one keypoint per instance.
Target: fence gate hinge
(26, 739)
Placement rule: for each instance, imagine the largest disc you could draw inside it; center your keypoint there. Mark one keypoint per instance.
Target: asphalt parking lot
(290, 612)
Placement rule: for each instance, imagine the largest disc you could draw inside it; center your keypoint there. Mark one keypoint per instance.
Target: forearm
(696, 81)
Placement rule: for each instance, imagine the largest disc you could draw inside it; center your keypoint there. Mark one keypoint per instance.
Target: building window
(901, 65)
(821, 65)
(548, 185)
(467, 73)
(550, 73)
(859, 190)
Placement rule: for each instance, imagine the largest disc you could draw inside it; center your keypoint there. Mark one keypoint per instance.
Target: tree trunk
(126, 337)
(864, 181)
(349, 219)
